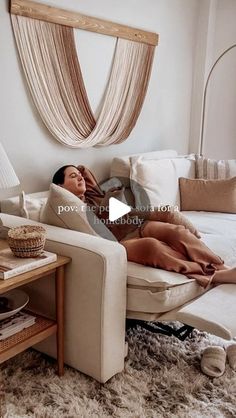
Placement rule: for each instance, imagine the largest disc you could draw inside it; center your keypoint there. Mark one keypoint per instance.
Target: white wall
(220, 132)
(165, 118)
(216, 32)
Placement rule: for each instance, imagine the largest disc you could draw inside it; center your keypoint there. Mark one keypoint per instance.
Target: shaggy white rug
(162, 379)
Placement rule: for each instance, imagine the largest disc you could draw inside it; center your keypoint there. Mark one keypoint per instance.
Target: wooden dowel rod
(77, 20)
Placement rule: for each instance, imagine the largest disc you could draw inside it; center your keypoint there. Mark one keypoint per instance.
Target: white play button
(117, 209)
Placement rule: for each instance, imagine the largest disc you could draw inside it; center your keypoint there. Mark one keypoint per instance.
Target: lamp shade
(8, 177)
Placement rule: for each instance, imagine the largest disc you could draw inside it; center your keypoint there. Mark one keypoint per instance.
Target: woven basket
(27, 240)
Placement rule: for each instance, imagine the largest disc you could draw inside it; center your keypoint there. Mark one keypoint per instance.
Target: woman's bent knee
(143, 250)
(163, 231)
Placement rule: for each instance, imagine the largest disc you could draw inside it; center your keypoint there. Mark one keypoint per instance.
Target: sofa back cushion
(158, 179)
(208, 195)
(121, 166)
(26, 205)
(32, 207)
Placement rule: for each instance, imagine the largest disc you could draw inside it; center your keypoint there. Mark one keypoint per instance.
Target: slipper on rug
(213, 361)
(231, 354)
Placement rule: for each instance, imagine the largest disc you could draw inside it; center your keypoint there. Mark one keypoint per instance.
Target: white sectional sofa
(153, 291)
(102, 289)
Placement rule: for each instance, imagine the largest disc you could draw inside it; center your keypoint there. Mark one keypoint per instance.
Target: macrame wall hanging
(45, 40)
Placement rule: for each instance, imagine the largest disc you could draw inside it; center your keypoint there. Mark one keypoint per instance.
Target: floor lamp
(205, 94)
(8, 178)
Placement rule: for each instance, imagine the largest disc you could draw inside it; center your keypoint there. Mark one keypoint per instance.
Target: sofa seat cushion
(213, 222)
(155, 290)
(218, 231)
(224, 246)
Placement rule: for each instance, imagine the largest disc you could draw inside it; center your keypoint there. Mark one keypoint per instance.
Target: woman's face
(74, 181)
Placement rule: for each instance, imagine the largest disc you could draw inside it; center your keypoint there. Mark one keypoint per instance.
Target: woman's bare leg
(224, 276)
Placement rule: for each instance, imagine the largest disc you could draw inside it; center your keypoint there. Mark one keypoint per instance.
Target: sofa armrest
(95, 303)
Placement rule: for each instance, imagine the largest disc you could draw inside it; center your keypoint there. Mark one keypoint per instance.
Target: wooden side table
(43, 327)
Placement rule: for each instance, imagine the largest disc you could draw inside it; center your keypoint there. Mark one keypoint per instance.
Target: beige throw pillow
(208, 195)
(66, 210)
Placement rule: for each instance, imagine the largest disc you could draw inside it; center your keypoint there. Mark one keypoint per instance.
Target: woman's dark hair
(59, 176)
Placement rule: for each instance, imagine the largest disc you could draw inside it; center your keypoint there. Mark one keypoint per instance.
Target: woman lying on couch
(157, 241)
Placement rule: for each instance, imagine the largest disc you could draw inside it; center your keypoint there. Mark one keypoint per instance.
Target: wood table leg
(60, 318)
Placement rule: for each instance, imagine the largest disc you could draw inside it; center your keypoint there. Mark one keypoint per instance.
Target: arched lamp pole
(205, 94)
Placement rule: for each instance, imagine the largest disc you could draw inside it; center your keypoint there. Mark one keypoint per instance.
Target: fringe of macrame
(50, 61)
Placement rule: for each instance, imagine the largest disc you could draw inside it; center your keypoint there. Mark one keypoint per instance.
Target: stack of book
(15, 323)
(11, 266)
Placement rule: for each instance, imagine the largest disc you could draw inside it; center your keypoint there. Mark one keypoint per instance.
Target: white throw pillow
(120, 166)
(31, 208)
(209, 169)
(158, 179)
